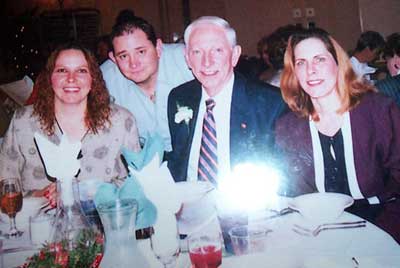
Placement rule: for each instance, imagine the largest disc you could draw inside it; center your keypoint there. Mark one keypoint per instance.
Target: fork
(328, 226)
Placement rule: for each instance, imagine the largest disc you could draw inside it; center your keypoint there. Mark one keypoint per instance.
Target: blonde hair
(349, 87)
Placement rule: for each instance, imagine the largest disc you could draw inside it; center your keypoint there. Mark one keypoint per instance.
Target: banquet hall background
(31, 28)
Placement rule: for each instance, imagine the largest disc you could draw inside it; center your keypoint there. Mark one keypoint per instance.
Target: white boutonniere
(184, 114)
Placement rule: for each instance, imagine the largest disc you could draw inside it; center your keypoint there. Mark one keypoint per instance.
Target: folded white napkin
(160, 188)
(19, 90)
(60, 162)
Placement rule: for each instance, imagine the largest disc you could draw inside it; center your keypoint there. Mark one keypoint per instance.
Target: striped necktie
(208, 160)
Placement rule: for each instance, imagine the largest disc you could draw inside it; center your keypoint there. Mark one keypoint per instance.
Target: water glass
(40, 229)
(248, 239)
(228, 221)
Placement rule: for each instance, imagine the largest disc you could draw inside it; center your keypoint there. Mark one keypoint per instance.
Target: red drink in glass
(206, 257)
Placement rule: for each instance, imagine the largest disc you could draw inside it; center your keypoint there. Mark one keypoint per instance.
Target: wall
(382, 16)
(251, 18)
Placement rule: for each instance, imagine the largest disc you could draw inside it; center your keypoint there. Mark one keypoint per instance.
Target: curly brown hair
(349, 87)
(98, 100)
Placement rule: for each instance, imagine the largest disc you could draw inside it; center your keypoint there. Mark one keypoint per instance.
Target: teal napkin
(153, 144)
(131, 189)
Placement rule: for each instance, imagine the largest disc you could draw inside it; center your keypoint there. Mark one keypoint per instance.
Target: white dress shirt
(362, 69)
(222, 116)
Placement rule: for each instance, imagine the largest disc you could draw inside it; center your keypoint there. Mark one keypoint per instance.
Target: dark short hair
(129, 24)
(370, 39)
(124, 15)
(392, 46)
(278, 42)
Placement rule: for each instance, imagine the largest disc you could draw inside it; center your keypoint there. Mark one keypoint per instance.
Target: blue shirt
(151, 117)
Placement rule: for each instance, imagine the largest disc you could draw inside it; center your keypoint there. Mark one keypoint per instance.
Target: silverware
(280, 213)
(356, 263)
(328, 226)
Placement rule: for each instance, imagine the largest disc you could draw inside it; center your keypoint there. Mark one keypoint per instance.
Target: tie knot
(210, 104)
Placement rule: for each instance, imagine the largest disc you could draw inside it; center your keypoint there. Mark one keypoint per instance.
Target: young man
(141, 72)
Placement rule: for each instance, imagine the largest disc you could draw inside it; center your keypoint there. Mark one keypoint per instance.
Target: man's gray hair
(229, 31)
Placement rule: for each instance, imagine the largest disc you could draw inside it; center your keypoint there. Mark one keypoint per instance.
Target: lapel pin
(243, 125)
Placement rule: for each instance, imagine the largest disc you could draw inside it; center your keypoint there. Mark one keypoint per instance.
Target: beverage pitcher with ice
(118, 218)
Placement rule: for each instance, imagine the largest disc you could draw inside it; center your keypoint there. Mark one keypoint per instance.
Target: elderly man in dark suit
(220, 119)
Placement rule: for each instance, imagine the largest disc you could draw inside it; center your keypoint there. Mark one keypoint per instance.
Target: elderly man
(390, 86)
(141, 73)
(219, 119)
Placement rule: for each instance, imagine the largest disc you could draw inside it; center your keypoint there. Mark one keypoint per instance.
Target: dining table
(362, 247)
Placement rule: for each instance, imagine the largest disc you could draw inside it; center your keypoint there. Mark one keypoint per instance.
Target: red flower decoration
(97, 260)
(99, 239)
(62, 258)
(41, 255)
(56, 247)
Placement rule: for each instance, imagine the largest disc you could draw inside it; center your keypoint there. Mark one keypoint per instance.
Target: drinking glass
(205, 246)
(11, 203)
(249, 239)
(166, 247)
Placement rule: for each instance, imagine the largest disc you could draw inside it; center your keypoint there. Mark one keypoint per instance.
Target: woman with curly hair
(72, 100)
(341, 136)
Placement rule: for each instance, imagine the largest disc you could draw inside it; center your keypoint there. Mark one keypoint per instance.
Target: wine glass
(205, 246)
(11, 203)
(166, 247)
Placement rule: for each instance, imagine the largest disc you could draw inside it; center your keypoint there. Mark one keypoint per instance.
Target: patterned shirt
(101, 152)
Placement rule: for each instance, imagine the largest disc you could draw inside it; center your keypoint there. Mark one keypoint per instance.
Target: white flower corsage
(184, 114)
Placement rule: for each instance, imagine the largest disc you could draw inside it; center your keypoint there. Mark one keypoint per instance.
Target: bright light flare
(249, 187)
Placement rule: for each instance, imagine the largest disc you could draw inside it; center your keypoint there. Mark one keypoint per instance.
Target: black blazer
(255, 107)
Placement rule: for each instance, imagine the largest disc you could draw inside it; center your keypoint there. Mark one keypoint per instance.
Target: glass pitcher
(118, 218)
(69, 221)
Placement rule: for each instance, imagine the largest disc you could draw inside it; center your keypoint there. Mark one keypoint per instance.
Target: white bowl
(321, 207)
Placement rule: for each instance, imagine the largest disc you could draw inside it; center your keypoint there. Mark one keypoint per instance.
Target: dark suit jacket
(255, 107)
(375, 129)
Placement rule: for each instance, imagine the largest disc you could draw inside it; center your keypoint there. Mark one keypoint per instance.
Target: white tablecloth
(370, 246)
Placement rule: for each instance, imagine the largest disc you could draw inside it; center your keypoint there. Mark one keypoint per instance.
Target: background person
(368, 48)
(340, 136)
(390, 86)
